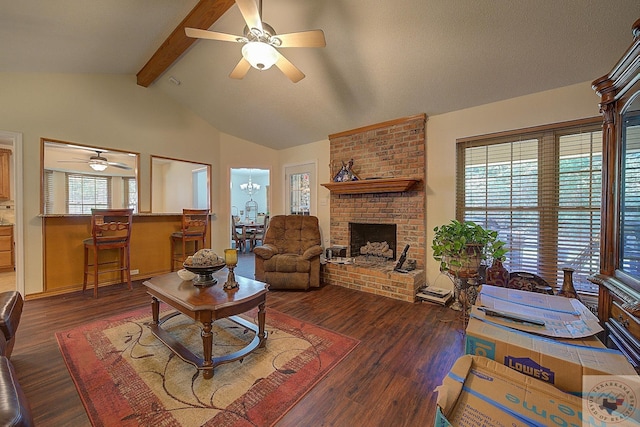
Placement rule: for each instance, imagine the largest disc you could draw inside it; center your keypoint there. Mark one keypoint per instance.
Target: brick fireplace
(385, 151)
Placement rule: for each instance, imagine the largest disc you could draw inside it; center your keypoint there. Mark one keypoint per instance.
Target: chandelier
(250, 187)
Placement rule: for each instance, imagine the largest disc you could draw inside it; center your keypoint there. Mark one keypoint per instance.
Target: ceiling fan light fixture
(98, 164)
(260, 55)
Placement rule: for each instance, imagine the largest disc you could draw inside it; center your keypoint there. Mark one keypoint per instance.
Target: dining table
(250, 228)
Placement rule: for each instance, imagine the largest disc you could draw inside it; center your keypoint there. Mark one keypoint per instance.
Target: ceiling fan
(98, 162)
(261, 43)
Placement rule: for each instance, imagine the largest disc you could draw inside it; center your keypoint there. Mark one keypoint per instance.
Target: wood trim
(382, 185)
(203, 16)
(395, 122)
(533, 129)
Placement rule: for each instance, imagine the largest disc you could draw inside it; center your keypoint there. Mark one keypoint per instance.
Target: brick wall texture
(395, 150)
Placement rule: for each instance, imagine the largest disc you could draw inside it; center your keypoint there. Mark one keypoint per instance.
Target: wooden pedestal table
(205, 305)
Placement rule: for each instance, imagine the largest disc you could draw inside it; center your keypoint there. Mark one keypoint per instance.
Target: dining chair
(238, 234)
(110, 229)
(258, 235)
(195, 223)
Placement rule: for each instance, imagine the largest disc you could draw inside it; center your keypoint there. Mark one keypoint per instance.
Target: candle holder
(231, 259)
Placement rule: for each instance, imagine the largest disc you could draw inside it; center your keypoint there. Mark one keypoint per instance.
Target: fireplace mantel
(377, 185)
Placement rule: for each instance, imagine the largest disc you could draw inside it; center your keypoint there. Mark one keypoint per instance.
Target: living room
(109, 110)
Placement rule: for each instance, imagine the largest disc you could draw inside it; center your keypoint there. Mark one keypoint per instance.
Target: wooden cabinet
(5, 174)
(6, 248)
(619, 276)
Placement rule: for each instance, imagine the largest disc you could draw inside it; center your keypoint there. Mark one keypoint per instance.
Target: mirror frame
(172, 159)
(43, 141)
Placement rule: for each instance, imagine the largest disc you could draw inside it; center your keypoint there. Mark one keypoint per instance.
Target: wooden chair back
(195, 223)
(111, 228)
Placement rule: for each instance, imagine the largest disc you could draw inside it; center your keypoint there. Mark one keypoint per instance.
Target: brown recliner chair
(289, 257)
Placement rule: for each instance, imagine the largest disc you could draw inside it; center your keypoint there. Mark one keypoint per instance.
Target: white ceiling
(384, 59)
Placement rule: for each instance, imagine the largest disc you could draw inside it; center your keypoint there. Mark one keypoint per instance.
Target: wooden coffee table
(206, 305)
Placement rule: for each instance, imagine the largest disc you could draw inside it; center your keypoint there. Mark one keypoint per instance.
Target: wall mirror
(179, 184)
(77, 178)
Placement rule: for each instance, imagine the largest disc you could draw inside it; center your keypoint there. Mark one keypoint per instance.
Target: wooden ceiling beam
(203, 16)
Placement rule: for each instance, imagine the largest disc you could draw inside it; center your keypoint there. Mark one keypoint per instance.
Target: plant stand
(458, 286)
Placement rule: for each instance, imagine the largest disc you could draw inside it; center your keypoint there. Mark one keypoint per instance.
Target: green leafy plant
(460, 247)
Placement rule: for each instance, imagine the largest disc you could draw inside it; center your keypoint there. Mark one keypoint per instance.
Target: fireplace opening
(378, 239)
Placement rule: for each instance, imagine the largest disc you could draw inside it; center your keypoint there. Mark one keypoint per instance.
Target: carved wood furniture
(619, 277)
(110, 229)
(194, 229)
(205, 305)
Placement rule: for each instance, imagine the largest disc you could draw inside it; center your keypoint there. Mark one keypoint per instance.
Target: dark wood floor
(388, 380)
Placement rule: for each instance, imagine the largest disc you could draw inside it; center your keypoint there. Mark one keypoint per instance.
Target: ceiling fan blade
(211, 35)
(289, 69)
(250, 13)
(119, 165)
(240, 70)
(312, 38)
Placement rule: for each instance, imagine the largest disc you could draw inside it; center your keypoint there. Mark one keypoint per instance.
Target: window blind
(48, 192)
(85, 192)
(130, 193)
(541, 190)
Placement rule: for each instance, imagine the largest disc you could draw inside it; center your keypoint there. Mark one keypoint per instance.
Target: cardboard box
(562, 363)
(560, 317)
(479, 392)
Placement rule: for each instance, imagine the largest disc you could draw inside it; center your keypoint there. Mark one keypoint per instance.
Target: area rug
(127, 377)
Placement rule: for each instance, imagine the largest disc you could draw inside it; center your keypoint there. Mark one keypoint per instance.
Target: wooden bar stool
(194, 229)
(110, 229)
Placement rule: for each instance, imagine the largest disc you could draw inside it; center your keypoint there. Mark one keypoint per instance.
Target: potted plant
(460, 247)
(496, 274)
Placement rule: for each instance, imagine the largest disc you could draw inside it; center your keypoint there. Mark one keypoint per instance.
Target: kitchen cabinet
(6, 248)
(5, 174)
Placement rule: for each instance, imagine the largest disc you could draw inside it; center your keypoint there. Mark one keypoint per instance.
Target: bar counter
(63, 235)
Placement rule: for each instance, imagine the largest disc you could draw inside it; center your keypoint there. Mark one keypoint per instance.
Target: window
(131, 193)
(300, 193)
(85, 192)
(300, 185)
(541, 190)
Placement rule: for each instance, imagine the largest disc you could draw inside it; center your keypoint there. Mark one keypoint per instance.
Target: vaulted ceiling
(384, 59)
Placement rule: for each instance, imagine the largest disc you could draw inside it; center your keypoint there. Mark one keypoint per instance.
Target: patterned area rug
(125, 376)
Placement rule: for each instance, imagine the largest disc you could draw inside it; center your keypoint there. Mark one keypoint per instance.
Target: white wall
(559, 105)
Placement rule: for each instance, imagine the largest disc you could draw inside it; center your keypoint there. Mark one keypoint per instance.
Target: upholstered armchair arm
(312, 252)
(265, 251)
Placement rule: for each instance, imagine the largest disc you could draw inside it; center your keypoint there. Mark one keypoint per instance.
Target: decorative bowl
(204, 273)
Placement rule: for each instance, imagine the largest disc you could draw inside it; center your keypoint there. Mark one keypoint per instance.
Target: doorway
(249, 198)
(249, 193)
(11, 212)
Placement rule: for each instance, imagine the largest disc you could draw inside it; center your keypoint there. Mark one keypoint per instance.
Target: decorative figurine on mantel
(346, 173)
